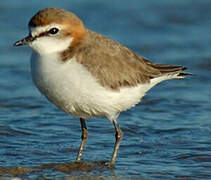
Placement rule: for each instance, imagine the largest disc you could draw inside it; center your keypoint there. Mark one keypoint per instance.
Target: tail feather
(183, 74)
(166, 69)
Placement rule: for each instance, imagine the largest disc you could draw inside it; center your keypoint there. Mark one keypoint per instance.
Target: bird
(87, 74)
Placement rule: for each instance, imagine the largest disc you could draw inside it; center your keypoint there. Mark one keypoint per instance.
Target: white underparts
(76, 91)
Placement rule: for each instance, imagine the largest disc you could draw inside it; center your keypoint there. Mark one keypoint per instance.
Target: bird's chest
(62, 83)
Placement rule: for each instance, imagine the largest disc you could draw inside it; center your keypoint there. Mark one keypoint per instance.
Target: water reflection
(59, 167)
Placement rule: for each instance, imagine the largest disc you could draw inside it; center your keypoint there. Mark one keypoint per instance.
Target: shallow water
(167, 136)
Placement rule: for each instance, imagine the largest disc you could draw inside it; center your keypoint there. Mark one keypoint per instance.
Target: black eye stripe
(41, 34)
(46, 33)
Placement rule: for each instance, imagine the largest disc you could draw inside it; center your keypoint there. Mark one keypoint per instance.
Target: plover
(87, 74)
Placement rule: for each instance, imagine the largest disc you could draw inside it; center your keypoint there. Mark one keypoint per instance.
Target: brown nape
(77, 31)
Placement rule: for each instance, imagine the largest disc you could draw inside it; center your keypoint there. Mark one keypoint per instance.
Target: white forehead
(39, 29)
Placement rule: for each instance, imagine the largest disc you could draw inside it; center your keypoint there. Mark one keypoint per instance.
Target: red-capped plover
(87, 74)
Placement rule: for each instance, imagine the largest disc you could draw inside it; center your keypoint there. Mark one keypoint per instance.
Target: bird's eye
(53, 31)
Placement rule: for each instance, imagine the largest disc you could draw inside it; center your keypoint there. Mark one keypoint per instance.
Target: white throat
(48, 45)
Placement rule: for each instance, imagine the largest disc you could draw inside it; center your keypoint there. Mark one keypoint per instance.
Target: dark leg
(84, 137)
(118, 136)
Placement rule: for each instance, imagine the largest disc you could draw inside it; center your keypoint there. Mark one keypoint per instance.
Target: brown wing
(115, 65)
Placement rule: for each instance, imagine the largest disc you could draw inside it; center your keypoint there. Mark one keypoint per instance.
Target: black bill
(24, 41)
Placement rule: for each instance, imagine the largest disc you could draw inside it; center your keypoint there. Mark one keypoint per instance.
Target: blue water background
(167, 136)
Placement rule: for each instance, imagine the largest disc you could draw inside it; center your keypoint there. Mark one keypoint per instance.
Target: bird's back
(116, 66)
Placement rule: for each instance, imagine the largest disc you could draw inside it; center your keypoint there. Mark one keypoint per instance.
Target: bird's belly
(74, 90)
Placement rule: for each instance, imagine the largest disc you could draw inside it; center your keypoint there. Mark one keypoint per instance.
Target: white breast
(76, 91)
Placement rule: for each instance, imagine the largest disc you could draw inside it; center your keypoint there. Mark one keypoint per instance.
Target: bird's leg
(84, 137)
(118, 136)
